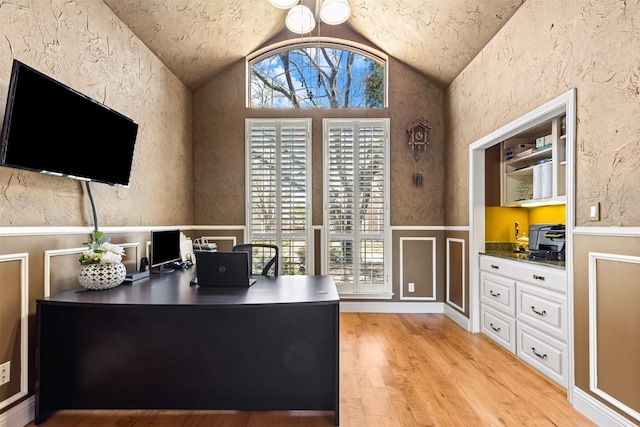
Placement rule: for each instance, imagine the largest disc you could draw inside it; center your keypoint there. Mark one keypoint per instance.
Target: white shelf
(518, 173)
(544, 153)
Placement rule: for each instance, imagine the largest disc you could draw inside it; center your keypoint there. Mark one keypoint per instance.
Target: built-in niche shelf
(533, 166)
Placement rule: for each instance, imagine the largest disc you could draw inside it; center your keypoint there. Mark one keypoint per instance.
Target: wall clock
(418, 133)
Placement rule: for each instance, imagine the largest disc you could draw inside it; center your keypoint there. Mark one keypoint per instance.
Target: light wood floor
(395, 370)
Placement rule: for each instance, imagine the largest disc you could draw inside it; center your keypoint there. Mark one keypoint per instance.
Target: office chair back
(263, 258)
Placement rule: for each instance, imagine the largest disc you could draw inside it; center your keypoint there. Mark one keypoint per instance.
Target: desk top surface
(174, 289)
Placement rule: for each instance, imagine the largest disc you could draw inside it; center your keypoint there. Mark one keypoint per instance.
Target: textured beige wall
(546, 49)
(219, 119)
(83, 45)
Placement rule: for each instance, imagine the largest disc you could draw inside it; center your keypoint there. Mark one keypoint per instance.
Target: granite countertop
(509, 251)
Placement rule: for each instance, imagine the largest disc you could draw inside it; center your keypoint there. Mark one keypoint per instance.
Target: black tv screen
(50, 128)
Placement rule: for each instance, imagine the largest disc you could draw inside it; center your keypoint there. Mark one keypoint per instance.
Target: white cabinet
(543, 309)
(524, 309)
(499, 326)
(498, 292)
(544, 353)
(534, 165)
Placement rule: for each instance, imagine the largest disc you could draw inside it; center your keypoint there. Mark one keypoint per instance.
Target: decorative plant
(101, 251)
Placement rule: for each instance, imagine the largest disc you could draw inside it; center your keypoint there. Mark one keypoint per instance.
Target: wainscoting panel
(14, 328)
(606, 324)
(418, 267)
(456, 273)
(614, 329)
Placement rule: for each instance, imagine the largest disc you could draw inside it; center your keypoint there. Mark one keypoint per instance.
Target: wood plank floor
(395, 370)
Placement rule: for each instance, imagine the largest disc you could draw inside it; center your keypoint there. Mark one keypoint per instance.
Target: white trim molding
(391, 307)
(47, 264)
(23, 259)
(608, 231)
(49, 254)
(225, 238)
(135, 245)
(434, 268)
(593, 328)
(457, 317)
(464, 270)
(597, 411)
(20, 415)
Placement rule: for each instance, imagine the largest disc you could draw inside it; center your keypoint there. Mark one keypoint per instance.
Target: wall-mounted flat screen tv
(50, 128)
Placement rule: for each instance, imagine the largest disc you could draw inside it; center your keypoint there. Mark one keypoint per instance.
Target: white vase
(102, 276)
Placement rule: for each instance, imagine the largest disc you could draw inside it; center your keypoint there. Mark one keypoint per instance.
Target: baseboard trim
(457, 317)
(390, 307)
(598, 412)
(20, 415)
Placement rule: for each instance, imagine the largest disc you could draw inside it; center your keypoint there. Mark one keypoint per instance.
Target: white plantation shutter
(279, 189)
(356, 216)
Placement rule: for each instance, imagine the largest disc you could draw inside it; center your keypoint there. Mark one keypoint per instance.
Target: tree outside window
(315, 75)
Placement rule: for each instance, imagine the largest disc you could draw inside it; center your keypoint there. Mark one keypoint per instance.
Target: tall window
(317, 75)
(279, 189)
(356, 196)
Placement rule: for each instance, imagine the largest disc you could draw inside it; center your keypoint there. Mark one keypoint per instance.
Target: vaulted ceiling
(197, 39)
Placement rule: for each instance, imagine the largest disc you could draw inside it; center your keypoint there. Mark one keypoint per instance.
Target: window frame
(384, 291)
(329, 42)
(306, 123)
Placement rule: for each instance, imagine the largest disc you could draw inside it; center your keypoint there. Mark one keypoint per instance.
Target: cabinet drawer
(546, 277)
(543, 309)
(498, 292)
(494, 264)
(525, 271)
(546, 354)
(498, 327)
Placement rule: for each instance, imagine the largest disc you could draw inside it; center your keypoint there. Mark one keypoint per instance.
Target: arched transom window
(317, 75)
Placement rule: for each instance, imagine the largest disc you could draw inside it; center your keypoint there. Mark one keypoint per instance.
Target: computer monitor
(165, 249)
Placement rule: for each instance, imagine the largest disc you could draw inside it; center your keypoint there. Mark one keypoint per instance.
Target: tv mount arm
(93, 207)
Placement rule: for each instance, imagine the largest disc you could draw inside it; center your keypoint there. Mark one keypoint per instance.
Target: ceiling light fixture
(334, 12)
(300, 19)
(283, 4)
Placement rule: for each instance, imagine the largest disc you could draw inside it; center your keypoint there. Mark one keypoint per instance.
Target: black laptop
(223, 269)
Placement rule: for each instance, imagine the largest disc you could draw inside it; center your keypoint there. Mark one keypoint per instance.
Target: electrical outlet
(5, 368)
(412, 287)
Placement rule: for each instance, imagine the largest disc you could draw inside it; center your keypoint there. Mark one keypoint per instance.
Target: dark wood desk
(160, 343)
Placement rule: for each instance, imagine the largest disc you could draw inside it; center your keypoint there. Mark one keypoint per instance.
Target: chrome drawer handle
(494, 328)
(541, 356)
(493, 294)
(538, 277)
(495, 267)
(539, 313)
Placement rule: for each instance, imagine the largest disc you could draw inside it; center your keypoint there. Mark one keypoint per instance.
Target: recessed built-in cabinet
(524, 309)
(534, 165)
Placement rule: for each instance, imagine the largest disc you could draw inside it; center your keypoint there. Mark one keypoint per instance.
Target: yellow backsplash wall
(547, 215)
(500, 221)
